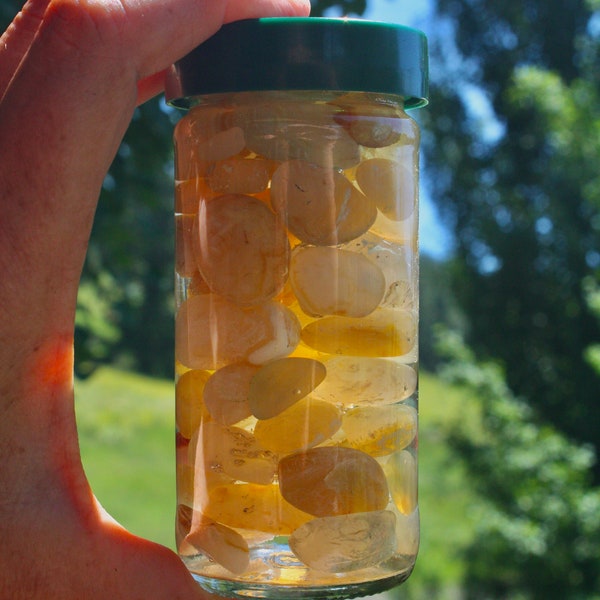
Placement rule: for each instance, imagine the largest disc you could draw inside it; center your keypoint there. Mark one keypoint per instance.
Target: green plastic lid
(296, 53)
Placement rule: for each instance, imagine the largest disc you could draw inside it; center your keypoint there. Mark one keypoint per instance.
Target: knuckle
(84, 24)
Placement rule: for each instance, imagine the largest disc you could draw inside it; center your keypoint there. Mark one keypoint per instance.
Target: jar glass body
(296, 343)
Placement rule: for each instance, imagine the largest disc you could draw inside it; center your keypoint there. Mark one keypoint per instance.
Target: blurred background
(510, 305)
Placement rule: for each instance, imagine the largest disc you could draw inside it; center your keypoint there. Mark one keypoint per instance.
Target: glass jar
(296, 216)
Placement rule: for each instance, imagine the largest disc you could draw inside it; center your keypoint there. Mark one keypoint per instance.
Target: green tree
(347, 7)
(132, 243)
(592, 352)
(513, 146)
(538, 531)
(436, 306)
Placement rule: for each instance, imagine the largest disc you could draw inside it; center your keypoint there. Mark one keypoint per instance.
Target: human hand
(71, 74)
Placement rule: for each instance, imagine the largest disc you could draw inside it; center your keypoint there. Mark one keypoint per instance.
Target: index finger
(152, 80)
(150, 35)
(15, 41)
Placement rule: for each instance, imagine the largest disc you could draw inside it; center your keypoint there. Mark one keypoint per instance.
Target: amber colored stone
(189, 405)
(346, 542)
(404, 233)
(241, 248)
(330, 281)
(203, 137)
(398, 264)
(241, 175)
(401, 471)
(285, 335)
(380, 430)
(372, 125)
(221, 145)
(189, 193)
(286, 295)
(281, 383)
(212, 332)
(183, 522)
(297, 130)
(185, 260)
(185, 484)
(254, 507)
(220, 543)
(234, 451)
(374, 132)
(182, 446)
(366, 381)
(206, 119)
(307, 423)
(407, 533)
(333, 480)
(319, 205)
(390, 185)
(196, 285)
(226, 393)
(194, 480)
(385, 332)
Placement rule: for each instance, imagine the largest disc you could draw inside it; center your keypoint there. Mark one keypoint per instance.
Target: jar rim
(304, 53)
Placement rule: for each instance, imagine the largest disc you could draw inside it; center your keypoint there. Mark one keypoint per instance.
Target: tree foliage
(346, 7)
(513, 143)
(436, 306)
(132, 247)
(538, 532)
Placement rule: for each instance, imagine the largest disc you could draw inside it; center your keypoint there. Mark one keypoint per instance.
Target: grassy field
(127, 441)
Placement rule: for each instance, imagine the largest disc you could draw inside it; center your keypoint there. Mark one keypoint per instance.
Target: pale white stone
(347, 542)
(366, 381)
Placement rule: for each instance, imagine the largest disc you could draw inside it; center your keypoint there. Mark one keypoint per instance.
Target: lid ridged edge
(297, 53)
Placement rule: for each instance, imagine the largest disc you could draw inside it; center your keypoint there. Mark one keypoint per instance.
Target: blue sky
(434, 238)
(398, 11)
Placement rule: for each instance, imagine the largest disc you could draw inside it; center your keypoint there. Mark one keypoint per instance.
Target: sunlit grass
(445, 496)
(126, 425)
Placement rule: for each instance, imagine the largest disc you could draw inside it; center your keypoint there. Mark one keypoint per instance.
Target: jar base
(244, 590)
(277, 574)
